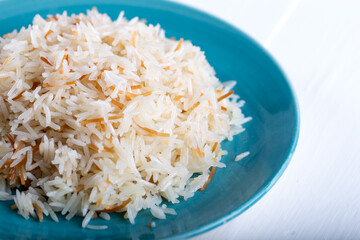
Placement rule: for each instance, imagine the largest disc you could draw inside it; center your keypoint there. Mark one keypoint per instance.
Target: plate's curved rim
(263, 190)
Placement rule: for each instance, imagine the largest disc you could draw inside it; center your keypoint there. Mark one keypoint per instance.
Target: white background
(317, 43)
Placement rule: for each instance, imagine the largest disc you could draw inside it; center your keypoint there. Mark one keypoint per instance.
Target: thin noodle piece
(115, 209)
(179, 44)
(209, 179)
(225, 96)
(39, 212)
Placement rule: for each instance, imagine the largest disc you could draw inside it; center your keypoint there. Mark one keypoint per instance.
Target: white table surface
(317, 43)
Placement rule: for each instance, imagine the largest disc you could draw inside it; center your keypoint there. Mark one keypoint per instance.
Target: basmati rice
(241, 156)
(97, 227)
(104, 116)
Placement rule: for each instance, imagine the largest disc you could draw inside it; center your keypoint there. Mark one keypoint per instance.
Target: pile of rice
(100, 116)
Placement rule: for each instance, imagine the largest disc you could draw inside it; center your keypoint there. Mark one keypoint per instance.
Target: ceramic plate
(270, 137)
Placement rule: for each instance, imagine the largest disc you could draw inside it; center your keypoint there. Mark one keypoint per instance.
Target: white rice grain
(87, 218)
(97, 227)
(105, 216)
(241, 156)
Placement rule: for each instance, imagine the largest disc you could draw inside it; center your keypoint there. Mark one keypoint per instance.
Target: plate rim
(265, 188)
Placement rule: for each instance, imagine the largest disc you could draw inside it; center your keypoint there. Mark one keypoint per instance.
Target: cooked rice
(97, 227)
(241, 156)
(108, 116)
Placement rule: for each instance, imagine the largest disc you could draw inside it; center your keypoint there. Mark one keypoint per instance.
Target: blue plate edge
(266, 188)
(253, 200)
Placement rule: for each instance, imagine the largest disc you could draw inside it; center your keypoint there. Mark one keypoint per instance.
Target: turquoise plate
(270, 137)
